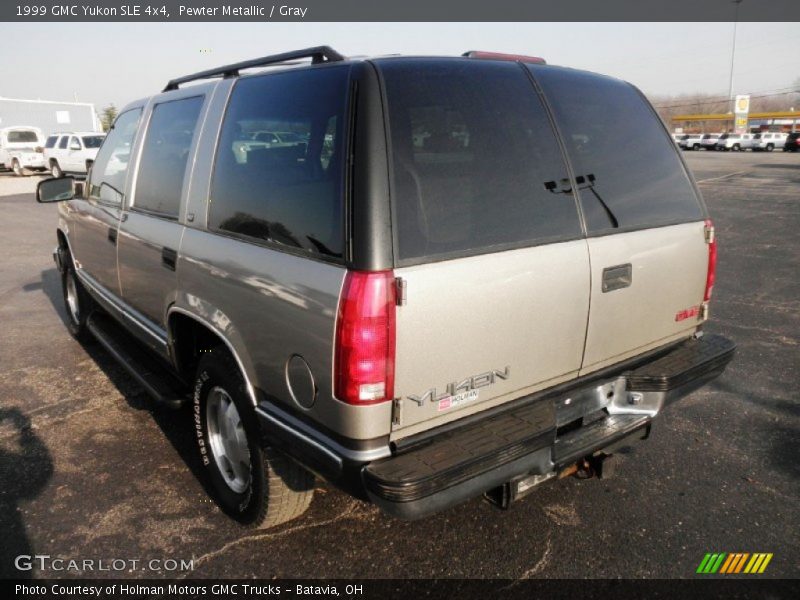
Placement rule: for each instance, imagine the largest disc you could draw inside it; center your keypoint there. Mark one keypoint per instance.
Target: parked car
(21, 149)
(709, 141)
(72, 152)
(732, 141)
(419, 319)
(769, 140)
(267, 139)
(792, 143)
(691, 141)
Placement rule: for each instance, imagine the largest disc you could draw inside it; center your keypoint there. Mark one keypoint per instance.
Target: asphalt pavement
(89, 468)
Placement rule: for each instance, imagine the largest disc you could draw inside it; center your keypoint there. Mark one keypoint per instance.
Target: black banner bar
(398, 11)
(711, 588)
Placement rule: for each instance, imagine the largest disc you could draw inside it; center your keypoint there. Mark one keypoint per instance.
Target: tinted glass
(628, 173)
(279, 165)
(74, 143)
(19, 137)
(92, 141)
(62, 144)
(51, 141)
(111, 165)
(476, 166)
(159, 181)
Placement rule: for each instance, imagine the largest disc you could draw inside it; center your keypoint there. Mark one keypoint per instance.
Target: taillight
(711, 238)
(365, 338)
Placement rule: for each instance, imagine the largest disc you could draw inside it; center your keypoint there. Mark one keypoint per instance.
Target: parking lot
(93, 470)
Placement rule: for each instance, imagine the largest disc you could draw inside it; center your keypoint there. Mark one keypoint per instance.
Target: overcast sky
(118, 62)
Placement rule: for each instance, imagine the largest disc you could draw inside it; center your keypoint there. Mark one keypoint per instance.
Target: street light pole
(733, 54)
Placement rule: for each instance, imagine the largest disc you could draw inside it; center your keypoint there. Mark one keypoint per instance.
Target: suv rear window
(476, 165)
(278, 175)
(628, 172)
(22, 136)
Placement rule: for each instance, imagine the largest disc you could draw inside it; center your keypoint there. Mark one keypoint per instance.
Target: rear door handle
(168, 258)
(112, 235)
(617, 277)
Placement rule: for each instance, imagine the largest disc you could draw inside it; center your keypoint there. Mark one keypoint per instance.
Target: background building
(49, 116)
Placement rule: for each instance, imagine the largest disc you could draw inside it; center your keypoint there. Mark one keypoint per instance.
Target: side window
(159, 181)
(51, 141)
(476, 164)
(278, 174)
(62, 144)
(628, 173)
(74, 143)
(111, 164)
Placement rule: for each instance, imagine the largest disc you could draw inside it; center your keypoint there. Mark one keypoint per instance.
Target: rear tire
(18, 169)
(736, 147)
(770, 147)
(55, 170)
(696, 147)
(256, 485)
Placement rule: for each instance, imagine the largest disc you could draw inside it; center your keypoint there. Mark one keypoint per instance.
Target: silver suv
(457, 276)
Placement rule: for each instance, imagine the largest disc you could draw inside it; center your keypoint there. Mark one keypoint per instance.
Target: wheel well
(190, 340)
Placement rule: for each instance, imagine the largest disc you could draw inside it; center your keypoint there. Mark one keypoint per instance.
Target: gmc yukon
(456, 276)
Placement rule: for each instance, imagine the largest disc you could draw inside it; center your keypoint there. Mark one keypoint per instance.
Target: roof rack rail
(317, 54)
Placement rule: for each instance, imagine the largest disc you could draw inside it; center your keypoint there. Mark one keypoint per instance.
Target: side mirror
(55, 190)
(75, 147)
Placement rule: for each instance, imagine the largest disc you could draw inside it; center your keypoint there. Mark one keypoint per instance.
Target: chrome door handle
(617, 277)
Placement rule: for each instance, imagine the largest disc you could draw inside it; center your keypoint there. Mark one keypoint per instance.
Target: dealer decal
(458, 399)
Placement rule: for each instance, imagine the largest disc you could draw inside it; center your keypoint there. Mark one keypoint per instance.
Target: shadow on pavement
(25, 468)
(174, 424)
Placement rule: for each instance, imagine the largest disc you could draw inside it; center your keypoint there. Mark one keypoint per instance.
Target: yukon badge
(461, 392)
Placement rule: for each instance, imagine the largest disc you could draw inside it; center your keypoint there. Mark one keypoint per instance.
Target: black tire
(18, 169)
(770, 147)
(55, 169)
(278, 489)
(77, 302)
(736, 147)
(696, 147)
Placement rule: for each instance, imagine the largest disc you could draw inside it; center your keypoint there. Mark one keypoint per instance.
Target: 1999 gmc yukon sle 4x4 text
(466, 275)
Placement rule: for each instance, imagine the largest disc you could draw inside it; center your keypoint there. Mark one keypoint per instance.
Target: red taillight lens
(365, 338)
(712, 261)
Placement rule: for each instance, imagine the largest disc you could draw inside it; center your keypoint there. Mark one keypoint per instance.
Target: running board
(595, 436)
(164, 387)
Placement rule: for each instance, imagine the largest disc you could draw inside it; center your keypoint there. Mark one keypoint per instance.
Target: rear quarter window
(476, 166)
(279, 170)
(629, 174)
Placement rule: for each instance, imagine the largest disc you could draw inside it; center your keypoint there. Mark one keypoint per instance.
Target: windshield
(92, 141)
(22, 136)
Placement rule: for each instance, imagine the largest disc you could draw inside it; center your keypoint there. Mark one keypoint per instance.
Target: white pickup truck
(21, 149)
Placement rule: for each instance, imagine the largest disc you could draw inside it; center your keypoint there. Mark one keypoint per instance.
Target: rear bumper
(543, 435)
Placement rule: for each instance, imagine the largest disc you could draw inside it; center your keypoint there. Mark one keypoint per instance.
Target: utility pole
(733, 54)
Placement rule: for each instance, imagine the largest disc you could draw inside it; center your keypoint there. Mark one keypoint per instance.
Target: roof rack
(317, 54)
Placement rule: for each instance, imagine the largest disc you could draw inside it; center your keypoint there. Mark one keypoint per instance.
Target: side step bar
(156, 379)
